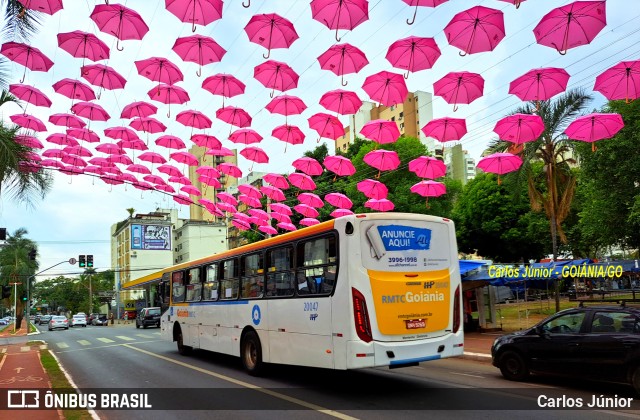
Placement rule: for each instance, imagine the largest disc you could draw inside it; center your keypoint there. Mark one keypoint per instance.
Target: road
(138, 361)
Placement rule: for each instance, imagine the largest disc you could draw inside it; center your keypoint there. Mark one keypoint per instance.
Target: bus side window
(177, 287)
(252, 277)
(230, 282)
(280, 279)
(211, 285)
(317, 266)
(194, 288)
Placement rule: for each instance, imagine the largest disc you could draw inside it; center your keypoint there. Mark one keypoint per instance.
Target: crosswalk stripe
(62, 345)
(105, 340)
(125, 338)
(143, 336)
(84, 342)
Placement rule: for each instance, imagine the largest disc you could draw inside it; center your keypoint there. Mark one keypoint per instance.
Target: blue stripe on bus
(417, 360)
(222, 302)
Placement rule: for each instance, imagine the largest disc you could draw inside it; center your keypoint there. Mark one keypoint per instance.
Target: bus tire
(513, 367)
(182, 349)
(251, 353)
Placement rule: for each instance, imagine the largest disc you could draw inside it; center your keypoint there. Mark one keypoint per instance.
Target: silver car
(78, 320)
(58, 321)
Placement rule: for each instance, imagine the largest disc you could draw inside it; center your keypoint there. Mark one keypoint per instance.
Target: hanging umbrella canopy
(62, 139)
(326, 126)
(135, 144)
(221, 151)
(170, 142)
(45, 6)
(268, 230)
(83, 45)
(137, 168)
(341, 101)
(138, 109)
(159, 69)
(289, 134)
(540, 84)
(91, 111)
(235, 116)
(110, 149)
(199, 49)
(191, 190)
(571, 25)
(74, 89)
(302, 181)
(255, 154)
(343, 59)
(184, 157)
(386, 88)
(193, 118)
(66, 120)
(514, 2)
(621, 81)
(29, 122)
(287, 226)
(119, 21)
(209, 171)
(475, 30)
(428, 167)
(382, 160)
(593, 127)
(413, 54)
(152, 157)
(281, 209)
(341, 213)
(245, 136)
(30, 57)
(381, 131)
(54, 153)
(379, 205)
(286, 105)
(28, 141)
(445, 129)
(310, 199)
(306, 210)
(154, 179)
(30, 94)
(338, 200)
(205, 140)
(309, 221)
(429, 189)
(230, 169)
(276, 76)
(340, 14)
(373, 189)
(227, 198)
(423, 3)
(272, 192)
(169, 94)
(519, 128)
(271, 31)
(459, 87)
(500, 163)
(183, 199)
(250, 201)
(196, 12)
(224, 85)
(308, 165)
(169, 170)
(276, 180)
(104, 76)
(84, 134)
(148, 125)
(249, 190)
(120, 133)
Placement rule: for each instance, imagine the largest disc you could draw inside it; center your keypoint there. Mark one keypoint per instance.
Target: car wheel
(182, 349)
(513, 367)
(137, 325)
(251, 353)
(144, 326)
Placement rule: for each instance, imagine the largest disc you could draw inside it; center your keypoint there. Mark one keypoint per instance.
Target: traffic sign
(72, 261)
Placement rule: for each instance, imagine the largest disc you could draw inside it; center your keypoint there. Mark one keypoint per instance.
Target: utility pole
(15, 305)
(90, 296)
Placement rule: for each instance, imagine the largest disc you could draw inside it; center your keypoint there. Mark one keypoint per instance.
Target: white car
(78, 320)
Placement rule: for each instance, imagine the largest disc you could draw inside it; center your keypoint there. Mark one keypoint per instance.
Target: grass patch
(515, 316)
(59, 381)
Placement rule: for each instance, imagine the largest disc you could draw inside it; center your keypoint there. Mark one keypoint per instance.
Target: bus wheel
(251, 353)
(182, 349)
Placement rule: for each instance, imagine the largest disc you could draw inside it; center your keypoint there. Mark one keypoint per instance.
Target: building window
(401, 126)
(401, 116)
(393, 118)
(393, 107)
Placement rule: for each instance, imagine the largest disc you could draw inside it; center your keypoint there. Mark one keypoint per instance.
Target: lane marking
(125, 338)
(143, 336)
(62, 345)
(84, 342)
(238, 382)
(467, 374)
(105, 340)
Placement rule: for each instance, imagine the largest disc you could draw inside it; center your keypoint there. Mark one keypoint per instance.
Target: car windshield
(59, 318)
(78, 317)
(153, 312)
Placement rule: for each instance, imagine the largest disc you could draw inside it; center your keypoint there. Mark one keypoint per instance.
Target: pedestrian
(126, 317)
(111, 318)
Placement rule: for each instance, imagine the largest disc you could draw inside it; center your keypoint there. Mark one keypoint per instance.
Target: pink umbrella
(289, 134)
(152, 157)
(571, 25)
(340, 14)
(500, 163)
(199, 49)
(29, 122)
(381, 131)
(169, 170)
(204, 140)
(148, 125)
(184, 157)
(339, 200)
(343, 59)
(119, 21)
(341, 213)
(424, 3)
(30, 57)
(445, 129)
(170, 142)
(276, 75)
(180, 179)
(276, 180)
(459, 88)
(310, 199)
(339, 165)
(539, 84)
(45, 6)
(341, 101)
(28, 141)
(138, 109)
(429, 189)
(213, 182)
(249, 190)
(302, 181)
(476, 30)
(120, 133)
(191, 190)
(271, 31)
(196, 12)
(245, 136)
(194, 119)
(413, 54)
(230, 169)
(286, 105)
(227, 207)
(169, 94)
(134, 144)
(30, 94)
(74, 89)
(54, 153)
(326, 125)
(386, 88)
(103, 76)
(154, 179)
(221, 151)
(249, 201)
(593, 127)
(66, 120)
(159, 69)
(83, 45)
(255, 154)
(373, 189)
(62, 139)
(84, 134)
(309, 221)
(268, 229)
(209, 171)
(110, 149)
(225, 85)
(227, 198)
(52, 163)
(382, 160)
(273, 193)
(137, 168)
(281, 209)
(184, 200)
(91, 111)
(621, 81)
(308, 165)
(519, 128)
(379, 205)
(241, 224)
(286, 226)
(234, 116)
(306, 210)
(428, 167)
(514, 2)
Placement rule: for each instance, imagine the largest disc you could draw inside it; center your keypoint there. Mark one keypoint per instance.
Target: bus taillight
(456, 310)
(361, 316)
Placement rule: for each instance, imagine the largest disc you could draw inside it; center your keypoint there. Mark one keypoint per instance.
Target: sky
(75, 217)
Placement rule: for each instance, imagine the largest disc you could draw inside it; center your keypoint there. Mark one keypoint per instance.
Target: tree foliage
(17, 267)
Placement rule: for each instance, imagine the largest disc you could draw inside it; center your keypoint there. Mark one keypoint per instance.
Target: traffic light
(24, 296)
(6, 292)
(82, 262)
(90, 261)
(32, 254)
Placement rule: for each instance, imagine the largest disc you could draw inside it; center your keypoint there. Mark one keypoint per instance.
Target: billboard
(151, 237)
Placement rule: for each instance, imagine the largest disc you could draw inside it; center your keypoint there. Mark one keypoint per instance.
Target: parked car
(595, 342)
(147, 317)
(44, 320)
(91, 318)
(78, 320)
(100, 319)
(58, 321)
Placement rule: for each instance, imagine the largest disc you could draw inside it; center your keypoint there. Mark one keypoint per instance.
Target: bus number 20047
(310, 306)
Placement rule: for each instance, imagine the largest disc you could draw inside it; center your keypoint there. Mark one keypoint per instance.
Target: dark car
(44, 320)
(596, 342)
(148, 316)
(100, 319)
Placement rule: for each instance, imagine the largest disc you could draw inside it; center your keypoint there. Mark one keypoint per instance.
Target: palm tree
(18, 25)
(17, 267)
(551, 189)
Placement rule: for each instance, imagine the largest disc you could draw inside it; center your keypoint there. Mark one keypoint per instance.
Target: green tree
(17, 267)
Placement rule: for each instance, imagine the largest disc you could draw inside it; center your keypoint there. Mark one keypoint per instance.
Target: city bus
(359, 291)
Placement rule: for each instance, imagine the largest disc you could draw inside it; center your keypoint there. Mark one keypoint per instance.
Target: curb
(481, 357)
